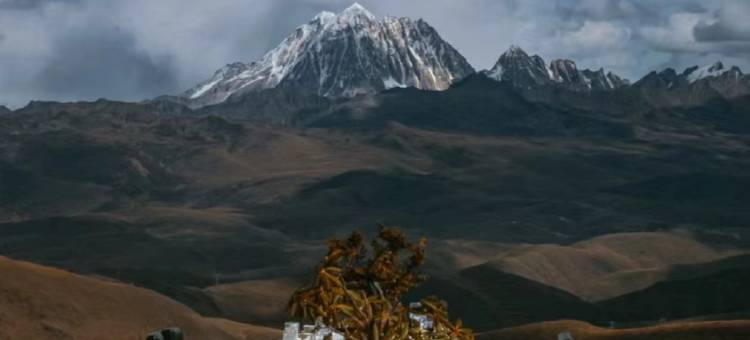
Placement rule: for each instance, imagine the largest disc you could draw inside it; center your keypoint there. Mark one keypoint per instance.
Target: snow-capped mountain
(516, 67)
(670, 79)
(342, 55)
(695, 85)
(520, 69)
(717, 69)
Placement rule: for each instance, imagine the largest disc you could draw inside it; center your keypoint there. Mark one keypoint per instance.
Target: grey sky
(136, 49)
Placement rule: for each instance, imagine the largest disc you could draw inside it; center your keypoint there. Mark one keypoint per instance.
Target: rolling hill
(39, 302)
(610, 265)
(716, 288)
(718, 330)
(553, 201)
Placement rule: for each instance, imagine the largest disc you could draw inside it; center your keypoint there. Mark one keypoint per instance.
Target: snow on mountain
(694, 86)
(342, 55)
(716, 75)
(600, 81)
(565, 71)
(717, 69)
(516, 67)
(520, 69)
(228, 72)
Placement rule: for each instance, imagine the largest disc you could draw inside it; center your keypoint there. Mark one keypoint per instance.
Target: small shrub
(360, 296)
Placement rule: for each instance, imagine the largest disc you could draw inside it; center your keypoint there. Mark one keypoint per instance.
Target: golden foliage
(360, 295)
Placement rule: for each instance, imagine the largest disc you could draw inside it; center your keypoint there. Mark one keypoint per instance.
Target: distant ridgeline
(354, 53)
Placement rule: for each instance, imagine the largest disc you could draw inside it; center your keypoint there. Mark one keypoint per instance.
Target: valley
(554, 198)
(227, 216)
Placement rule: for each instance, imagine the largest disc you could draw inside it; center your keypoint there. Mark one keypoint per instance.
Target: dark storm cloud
(722, 32)
(719, 32)
(30, 4)
(730, 23)
(595, 10)
(632, 12)
(104, 63)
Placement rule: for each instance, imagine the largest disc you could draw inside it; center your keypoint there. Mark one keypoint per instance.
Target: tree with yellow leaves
(360, 296)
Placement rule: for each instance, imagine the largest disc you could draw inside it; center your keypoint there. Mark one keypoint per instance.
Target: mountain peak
(324, 16)
(565, 71)
(343, 55)
(518, 68)
(515, 50)
(353, 14)
(357, 10)
(696, 73)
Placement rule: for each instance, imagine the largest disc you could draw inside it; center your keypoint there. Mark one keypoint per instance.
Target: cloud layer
(136, 49)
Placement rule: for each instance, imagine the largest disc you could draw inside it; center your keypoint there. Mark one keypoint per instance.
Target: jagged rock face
(695, 85)
(617, 81)
(695, 73)
(599, 81)
(518, 68)
(715, 74)
(566, 72)
(4, 110)
(342, 55)
(666, 79)
(728, 82)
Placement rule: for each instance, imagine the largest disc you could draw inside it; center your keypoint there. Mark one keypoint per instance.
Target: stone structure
(565, 336)
(421, 321)
(172, 333)
(319, 331)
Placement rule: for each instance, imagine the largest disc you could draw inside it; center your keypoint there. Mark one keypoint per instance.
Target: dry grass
(713, 330)
(278, 162)
(595, 269)
(603, 266)
(39, 302)
(214, 222)
(259, 301)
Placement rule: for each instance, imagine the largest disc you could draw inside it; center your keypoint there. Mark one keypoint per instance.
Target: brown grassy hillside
(493, 285)
(39, 302)
(256, 301)
(595, 269)
(714, 330)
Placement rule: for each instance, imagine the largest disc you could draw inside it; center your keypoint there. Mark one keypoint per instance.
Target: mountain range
(355, 53)
(518, 68)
